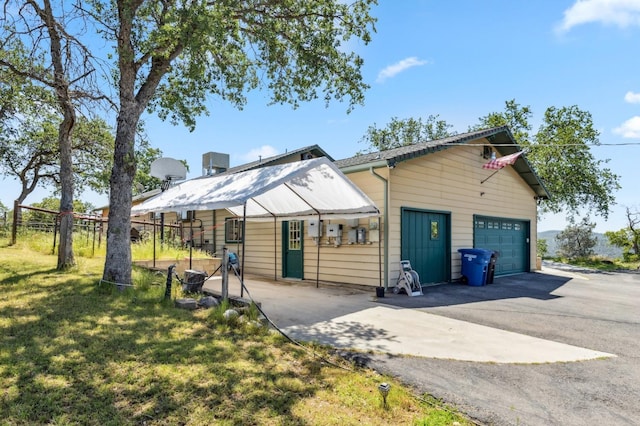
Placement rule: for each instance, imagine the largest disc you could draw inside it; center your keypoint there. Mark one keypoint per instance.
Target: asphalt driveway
(600, 311)
(559, 347)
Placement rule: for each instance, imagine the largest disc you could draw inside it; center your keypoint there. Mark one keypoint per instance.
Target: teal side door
(508, 237)
(292, 249)
(426, 244)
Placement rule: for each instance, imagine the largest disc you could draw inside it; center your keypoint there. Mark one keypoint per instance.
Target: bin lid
(476, 251)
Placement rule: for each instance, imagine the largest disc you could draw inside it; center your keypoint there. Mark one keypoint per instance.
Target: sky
(460, 60)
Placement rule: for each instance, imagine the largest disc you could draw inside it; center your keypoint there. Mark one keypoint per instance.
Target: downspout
(244, 243)
(385, 227)
(214, 241)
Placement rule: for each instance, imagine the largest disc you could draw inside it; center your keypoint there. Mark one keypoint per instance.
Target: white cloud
(622, 13)
(632, 98)
(257, 153)
(398, 67)
(630, 129)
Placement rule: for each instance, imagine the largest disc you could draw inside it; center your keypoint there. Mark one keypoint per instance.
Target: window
(188, 215)
(295, 235)
(232, 230)
(435, 230)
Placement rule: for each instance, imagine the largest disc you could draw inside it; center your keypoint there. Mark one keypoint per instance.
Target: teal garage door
(426, 244)
(508, 237)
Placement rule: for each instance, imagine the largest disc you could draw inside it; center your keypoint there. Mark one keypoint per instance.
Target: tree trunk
(17, 212)
(117, 267)
(61, 86)
(65, 247)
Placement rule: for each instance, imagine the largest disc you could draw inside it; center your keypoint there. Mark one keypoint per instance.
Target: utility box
(314, 229)
(334, 230)
(353, 223)
(361, 235)
(352, 236)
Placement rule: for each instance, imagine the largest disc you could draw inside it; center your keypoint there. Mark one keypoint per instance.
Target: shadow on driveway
(531, 285)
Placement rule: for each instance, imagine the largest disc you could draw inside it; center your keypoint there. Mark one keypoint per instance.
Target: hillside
(602, 248)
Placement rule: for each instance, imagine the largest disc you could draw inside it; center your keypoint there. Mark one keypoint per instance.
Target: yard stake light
(384, 389)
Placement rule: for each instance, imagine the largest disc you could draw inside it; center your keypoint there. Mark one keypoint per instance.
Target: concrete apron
(350, 319)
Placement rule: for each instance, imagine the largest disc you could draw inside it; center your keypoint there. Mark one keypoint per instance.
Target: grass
(73, 352)
(86, 245)
(601, 264)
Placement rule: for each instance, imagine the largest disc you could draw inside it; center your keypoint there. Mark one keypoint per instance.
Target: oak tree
(560, 153)
(577, 240)
(170, 57)
(403, 132)
(628, 238)
(36, 44)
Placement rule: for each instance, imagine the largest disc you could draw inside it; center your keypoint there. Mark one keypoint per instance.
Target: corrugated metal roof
(315, 150)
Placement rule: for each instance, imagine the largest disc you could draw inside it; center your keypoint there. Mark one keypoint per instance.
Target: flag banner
(499, 163)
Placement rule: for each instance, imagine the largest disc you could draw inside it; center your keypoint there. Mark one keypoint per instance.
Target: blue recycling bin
(475, 265)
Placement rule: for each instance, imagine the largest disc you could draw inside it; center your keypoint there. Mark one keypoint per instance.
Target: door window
(295, 235)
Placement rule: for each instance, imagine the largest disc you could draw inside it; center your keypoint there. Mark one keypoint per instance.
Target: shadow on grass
(74, 353)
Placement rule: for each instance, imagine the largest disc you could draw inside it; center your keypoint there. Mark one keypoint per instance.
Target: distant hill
(602, 248)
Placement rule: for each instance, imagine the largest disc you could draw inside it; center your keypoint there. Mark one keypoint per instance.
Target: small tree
(403, 132)
(577, 240)
(627, 238)
(542, 248)
(4, 211)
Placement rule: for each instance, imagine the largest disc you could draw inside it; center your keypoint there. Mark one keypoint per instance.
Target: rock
(208, 302)
(186, 303)
(230, 313)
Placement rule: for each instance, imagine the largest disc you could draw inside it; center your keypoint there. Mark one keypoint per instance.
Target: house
(437, 198)
(434, 198)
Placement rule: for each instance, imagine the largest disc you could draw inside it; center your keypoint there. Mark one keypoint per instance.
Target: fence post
(14, 226)
(225, 274)
(55, 234)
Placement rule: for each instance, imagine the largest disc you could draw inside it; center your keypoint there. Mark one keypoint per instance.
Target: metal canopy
(296, 190)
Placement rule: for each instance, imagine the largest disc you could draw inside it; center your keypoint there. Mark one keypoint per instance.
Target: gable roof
(499, 137)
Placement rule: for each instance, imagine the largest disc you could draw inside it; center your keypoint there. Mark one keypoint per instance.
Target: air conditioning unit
(214, 162)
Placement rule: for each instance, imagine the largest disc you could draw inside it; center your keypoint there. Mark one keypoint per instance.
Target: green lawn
(72, 352)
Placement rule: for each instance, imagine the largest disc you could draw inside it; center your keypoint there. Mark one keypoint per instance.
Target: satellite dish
(167, 170)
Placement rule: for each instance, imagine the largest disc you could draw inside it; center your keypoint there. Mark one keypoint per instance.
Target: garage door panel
(508, 237)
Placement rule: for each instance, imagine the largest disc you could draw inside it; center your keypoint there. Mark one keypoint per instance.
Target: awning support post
(244, 237)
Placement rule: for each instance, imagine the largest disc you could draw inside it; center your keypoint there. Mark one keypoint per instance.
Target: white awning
(297, 190)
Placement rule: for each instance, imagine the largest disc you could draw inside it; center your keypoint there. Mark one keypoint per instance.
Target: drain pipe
(385, 227)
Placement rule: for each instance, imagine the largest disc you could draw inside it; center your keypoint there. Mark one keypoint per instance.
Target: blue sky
(459, 59)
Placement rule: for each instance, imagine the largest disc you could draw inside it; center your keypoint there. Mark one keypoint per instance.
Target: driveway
(558, 347)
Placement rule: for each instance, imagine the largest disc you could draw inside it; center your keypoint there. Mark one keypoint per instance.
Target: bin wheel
(464, 280)
(396, 290)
